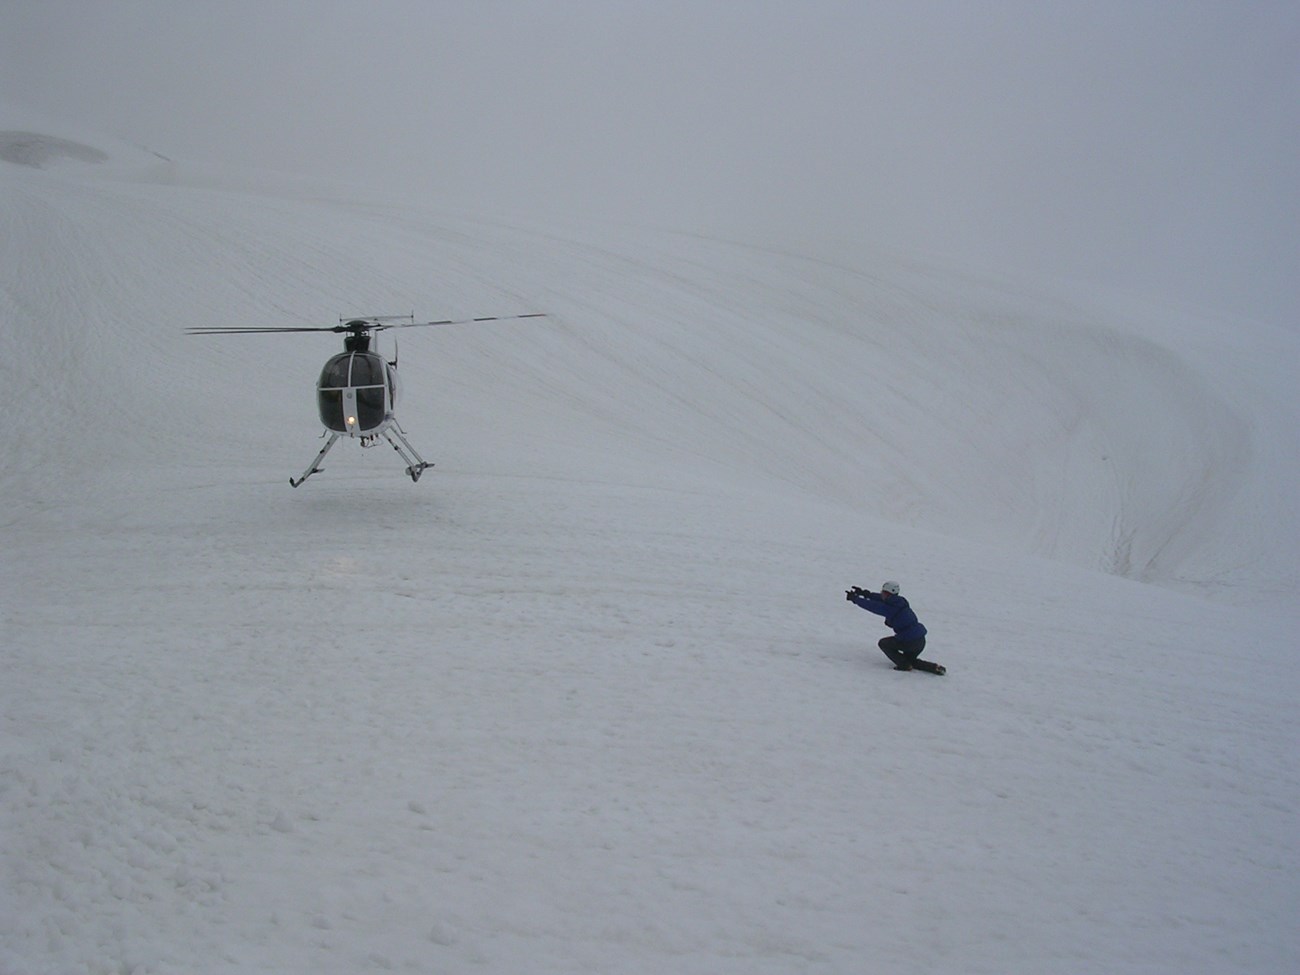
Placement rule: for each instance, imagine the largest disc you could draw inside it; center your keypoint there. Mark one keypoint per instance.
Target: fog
(1150, 147)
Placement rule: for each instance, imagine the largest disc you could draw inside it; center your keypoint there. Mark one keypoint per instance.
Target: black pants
(902, 651)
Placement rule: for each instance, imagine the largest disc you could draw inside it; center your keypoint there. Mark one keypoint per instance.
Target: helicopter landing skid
(415, 464)
(315, 464)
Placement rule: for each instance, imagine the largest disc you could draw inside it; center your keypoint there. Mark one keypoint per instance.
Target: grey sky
(1147, 145)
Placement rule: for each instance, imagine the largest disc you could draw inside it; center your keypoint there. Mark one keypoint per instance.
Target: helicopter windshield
(353, 369)
(335, 373)
(352, 392)
(367, 370)
(371, 404)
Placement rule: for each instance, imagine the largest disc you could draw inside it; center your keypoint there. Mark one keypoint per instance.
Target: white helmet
(890, 587)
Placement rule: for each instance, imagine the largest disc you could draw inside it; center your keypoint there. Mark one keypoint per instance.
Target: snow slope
(588, 697)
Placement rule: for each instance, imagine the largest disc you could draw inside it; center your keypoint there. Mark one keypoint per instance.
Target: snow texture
(589, 697)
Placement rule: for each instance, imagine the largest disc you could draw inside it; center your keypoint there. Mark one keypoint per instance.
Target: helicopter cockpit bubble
(353, 394)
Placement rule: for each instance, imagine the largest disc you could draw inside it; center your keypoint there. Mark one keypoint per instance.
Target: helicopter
(356, 394)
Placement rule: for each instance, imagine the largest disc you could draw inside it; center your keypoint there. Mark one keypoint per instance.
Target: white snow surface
(588, 697)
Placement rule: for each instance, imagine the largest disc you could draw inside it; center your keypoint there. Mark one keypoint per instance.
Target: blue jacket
(897, 613)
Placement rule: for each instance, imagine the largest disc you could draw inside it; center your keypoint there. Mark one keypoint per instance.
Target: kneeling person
(905, 646)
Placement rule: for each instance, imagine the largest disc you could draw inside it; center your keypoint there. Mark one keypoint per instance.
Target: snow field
(588, 697)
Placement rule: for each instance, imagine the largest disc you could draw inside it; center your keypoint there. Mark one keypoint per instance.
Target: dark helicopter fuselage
(357, 390)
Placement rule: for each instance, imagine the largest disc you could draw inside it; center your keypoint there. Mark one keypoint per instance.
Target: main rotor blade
(257, 330)
(366, 324)
(466, 321)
